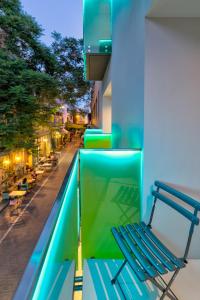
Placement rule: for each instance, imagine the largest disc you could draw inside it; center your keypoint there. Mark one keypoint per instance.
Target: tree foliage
(74, 89)
(33, 76)
(23, 37)
(27, 87)
(23, 105)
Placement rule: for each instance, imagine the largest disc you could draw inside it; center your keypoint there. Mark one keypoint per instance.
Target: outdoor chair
(24, 187)
(148, 257)
(5, 196)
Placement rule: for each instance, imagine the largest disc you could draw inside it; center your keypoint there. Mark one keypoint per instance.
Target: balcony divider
(110, 184)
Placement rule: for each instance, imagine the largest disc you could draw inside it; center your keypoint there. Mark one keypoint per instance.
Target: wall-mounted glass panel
(98, 141)
(97, 26)
(57, 271)
(97, 32)
(93, 130)
(110, 196)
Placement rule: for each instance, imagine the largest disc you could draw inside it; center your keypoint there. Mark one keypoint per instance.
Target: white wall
(107, 114)
(103, 104)
(127, 72)
(98, 87)
(172, 117)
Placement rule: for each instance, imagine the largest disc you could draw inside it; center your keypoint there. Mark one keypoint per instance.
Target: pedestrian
(34, 175)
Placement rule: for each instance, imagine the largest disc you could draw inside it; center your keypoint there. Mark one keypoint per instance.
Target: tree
(22, 37)
(28, 88)
(23, 105)
(33, 76)
(73, 88)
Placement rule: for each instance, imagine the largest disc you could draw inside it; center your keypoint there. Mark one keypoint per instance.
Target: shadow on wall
(170, 226)
(116, 136)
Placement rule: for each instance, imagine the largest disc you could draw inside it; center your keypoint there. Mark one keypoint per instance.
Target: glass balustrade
(101, 190)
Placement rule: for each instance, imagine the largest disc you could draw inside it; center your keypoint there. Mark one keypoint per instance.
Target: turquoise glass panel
(110, 183)
(97, 26)
(98, 141)
(93, 130)
(59, 262)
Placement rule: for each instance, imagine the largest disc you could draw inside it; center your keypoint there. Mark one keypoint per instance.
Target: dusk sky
(64, 16)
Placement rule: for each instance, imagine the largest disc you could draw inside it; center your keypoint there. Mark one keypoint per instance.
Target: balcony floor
(98, 273)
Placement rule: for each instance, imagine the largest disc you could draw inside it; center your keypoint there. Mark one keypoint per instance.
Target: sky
(64, 16)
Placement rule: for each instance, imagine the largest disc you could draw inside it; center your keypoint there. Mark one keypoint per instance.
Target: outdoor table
(31, 181)
(50, 160)
(16, 194)
(47, 165)
(58, 153)
(42, 159)
(39, 172)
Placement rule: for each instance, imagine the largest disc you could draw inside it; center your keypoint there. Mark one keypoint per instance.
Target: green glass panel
(97, 141)
(97, 26)
(93, 130)
(62, 250)
(110, 196)
(105, 46)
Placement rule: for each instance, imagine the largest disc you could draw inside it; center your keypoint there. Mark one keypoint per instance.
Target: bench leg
(169, 293)
(118, 272)
(165, 292)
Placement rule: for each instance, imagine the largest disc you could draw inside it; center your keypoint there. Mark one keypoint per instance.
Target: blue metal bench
(145, 253)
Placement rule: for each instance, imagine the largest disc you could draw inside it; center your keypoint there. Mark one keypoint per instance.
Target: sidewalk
(3, 205)
(19, 233)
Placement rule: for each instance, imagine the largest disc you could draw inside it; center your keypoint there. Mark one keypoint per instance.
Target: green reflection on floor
(110, 196)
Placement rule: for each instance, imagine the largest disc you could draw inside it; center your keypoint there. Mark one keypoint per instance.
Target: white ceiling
(175, 8)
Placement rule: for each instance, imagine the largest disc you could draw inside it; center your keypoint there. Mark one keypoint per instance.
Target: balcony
(101, 189)
(96, 139)
(97, 37)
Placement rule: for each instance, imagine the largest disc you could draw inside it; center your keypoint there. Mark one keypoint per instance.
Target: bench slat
(140, 257)
(154, 261)
(187, 199)
(177, 207)
(165, 261)
(178, 262)
(132, 262)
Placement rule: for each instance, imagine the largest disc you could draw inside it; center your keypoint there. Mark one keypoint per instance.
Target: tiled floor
(17, 242)
(98, 273)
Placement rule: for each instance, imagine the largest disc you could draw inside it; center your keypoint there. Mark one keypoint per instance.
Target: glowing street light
(17, 158)
(6, 162)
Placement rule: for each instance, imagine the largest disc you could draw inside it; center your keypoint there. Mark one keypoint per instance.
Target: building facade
(145, 59)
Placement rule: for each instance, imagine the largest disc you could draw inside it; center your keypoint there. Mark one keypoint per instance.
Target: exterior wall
(101, 103)
(155, 73)
(95, 105)
(107, 114)
(172, 118)
(127, 72)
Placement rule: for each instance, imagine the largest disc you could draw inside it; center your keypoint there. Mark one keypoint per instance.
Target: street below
(20, 229)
